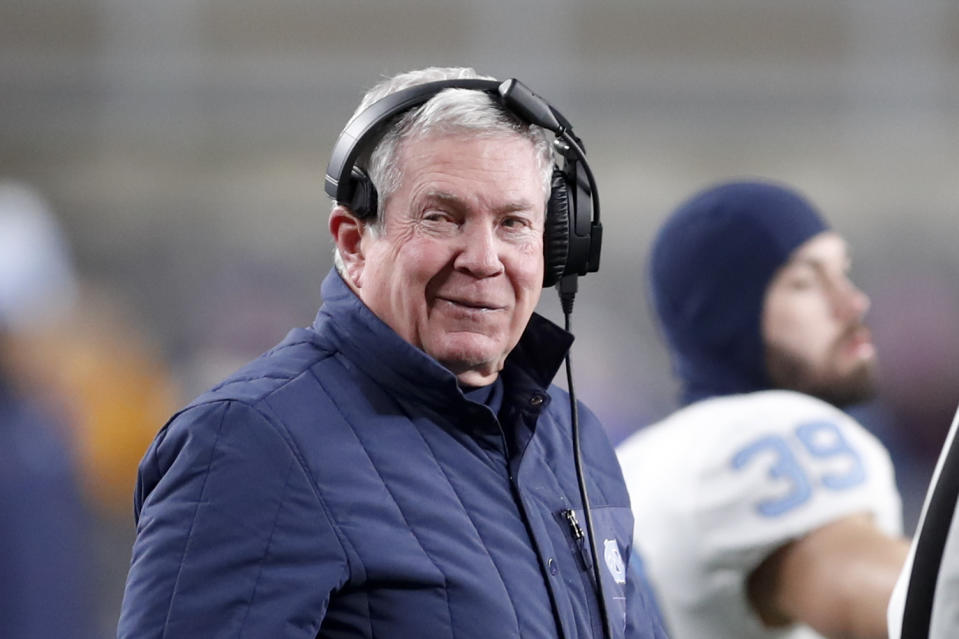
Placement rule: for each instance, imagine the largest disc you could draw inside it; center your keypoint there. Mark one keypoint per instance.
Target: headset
(573, 235)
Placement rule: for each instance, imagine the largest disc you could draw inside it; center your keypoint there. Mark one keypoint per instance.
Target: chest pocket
(613, 529)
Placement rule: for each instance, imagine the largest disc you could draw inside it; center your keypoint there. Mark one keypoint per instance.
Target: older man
(402, 468)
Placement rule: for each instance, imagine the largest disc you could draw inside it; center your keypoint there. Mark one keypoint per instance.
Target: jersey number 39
(824, 442)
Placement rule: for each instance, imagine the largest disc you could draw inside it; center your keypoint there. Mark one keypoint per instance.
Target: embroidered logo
(614, 561)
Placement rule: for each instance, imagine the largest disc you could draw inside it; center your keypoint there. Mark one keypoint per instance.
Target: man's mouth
(476, 305)
(858, 341)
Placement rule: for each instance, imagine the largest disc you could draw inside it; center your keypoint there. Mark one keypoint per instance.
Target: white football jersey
(719, 485)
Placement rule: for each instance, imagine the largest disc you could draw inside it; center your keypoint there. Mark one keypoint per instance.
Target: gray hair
(449, 111)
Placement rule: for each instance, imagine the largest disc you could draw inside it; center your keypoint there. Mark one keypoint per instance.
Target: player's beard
(840, 388)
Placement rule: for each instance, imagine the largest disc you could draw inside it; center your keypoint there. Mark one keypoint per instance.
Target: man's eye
(801, 283)
(436, 216)
(515, 223)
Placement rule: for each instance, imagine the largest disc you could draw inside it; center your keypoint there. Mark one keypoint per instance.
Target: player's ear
(347, 231)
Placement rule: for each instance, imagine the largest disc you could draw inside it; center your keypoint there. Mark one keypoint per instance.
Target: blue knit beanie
(710, 266)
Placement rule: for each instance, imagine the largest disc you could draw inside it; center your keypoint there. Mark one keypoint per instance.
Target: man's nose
(850, 302)
(479, 250)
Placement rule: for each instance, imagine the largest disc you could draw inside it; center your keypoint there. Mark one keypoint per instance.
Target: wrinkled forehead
(504, 148)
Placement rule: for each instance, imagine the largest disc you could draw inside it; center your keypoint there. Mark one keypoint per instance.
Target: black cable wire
(567, 292)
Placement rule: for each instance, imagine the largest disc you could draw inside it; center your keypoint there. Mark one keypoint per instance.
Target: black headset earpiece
(573, 234)
(556, 234)
(363, 200)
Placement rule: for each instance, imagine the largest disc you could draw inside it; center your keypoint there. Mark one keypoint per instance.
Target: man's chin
(472, 372)
(854, 387)
(856, 384)
(472, 366)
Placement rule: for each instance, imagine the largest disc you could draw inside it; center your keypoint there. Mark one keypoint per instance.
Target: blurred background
(181, 147)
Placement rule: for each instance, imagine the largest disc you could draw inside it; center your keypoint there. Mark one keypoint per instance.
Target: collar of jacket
(345, 324)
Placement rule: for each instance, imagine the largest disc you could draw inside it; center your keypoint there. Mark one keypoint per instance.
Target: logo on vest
(614, 561)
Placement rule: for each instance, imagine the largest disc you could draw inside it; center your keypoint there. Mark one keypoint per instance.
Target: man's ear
(347, 232)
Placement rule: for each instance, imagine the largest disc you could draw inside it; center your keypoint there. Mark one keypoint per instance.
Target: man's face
(813, 328)
(458, 267)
